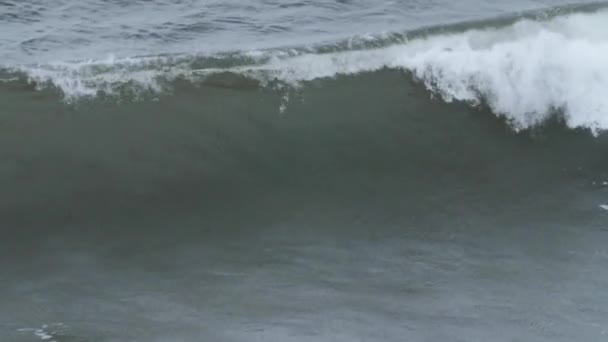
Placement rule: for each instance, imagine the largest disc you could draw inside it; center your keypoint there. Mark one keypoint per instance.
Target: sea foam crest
(525, 71)
(91, 77)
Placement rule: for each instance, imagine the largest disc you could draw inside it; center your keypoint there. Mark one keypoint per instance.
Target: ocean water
(303, 171)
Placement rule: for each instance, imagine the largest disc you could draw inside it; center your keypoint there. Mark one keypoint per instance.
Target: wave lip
(525, 71)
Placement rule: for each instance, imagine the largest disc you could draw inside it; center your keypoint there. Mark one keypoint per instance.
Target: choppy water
(67, 30)
(303, 171)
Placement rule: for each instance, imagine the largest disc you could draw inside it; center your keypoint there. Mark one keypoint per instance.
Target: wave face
(409, 106)
(441, 184)
(525, 70)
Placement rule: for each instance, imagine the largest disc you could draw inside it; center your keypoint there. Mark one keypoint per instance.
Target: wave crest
(525, 71)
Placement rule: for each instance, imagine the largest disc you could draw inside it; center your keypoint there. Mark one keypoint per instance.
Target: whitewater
(527, 70)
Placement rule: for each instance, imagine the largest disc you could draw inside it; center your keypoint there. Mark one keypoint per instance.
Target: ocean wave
(525, 71)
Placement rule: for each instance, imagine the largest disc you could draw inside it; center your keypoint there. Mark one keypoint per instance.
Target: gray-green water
(341, 193)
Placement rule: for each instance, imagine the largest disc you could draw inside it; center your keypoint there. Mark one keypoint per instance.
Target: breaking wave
(526, 70)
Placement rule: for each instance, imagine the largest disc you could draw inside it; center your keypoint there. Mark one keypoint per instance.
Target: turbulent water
(303, 170)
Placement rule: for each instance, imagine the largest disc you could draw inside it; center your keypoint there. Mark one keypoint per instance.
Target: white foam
(604, 206)
(89, 78)
(46, 332)
(524, 72)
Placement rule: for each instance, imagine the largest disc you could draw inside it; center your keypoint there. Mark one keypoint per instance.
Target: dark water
(438, 186)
